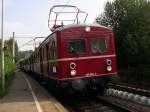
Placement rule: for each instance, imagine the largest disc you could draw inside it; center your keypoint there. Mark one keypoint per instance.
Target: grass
(1, 93)
(9, 75)
(8, 80)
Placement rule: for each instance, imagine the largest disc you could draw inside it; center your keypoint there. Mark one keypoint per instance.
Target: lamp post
(2, 54)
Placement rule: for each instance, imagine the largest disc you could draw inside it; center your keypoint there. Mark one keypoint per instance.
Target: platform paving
(27, 95)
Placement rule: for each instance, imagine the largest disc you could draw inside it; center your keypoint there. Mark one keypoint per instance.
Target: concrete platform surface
(27, 95)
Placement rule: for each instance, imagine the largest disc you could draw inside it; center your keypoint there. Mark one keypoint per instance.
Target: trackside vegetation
(130, 21)
(9, 65)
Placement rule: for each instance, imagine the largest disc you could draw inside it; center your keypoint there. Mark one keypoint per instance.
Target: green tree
(130, 22)
(9, 49)
(9, 65)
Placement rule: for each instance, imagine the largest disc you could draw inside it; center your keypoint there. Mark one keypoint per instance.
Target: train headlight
(73, 72)
(72, 65)
(109, 68)
(87, 29)
(108, 62)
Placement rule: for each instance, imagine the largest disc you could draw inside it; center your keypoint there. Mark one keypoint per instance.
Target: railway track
(126, 104)
(129, 97)
(111, 102)
(130, 88)
(89, 104)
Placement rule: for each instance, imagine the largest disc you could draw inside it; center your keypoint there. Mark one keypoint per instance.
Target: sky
(29, 18)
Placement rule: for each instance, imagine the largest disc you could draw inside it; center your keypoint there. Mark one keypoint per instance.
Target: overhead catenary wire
(28, 43)
(55, 2)
(25, 37)
(65, 4)
(68, 1)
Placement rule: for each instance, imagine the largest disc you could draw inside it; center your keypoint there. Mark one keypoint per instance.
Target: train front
(88, 59)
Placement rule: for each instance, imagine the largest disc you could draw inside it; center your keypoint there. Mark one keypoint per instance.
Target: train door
(50, 52)
(41, 60)
(48, 57)
(45, 60)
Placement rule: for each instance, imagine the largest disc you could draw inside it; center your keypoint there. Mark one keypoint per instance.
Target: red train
(77, 56)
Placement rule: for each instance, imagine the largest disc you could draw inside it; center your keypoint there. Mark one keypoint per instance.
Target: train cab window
(99, 45)
(76, 46)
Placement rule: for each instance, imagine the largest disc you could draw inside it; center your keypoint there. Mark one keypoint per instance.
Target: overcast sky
(29, 17)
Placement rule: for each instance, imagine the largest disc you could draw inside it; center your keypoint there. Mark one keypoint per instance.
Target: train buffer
(26, 95)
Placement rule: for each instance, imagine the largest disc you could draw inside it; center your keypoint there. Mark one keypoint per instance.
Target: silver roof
(81, 25)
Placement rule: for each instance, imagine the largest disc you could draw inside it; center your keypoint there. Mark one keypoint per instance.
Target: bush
(9, 65)
(9, 74)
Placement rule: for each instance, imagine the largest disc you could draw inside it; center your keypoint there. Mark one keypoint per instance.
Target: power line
(25, 37)
(26, 43)
(65, 4)
(55, 2)
(68, 2)
(33, 40)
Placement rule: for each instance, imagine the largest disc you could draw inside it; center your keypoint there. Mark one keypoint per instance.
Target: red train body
(75, 56)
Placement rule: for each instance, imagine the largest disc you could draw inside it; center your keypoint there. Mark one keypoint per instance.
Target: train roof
(68, 27)
(74, 26)
(81, 25)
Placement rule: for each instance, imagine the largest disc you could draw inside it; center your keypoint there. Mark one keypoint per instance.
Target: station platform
(27, 95)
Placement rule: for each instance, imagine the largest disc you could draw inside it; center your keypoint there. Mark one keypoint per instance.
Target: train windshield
(99, 45)
(76, 46)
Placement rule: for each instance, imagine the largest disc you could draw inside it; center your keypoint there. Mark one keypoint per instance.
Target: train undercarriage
(84, 86)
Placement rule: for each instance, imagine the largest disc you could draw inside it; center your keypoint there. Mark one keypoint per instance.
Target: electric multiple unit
(76, 56)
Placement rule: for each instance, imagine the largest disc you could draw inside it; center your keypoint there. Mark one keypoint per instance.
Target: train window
(76, 46)
(99, 45)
